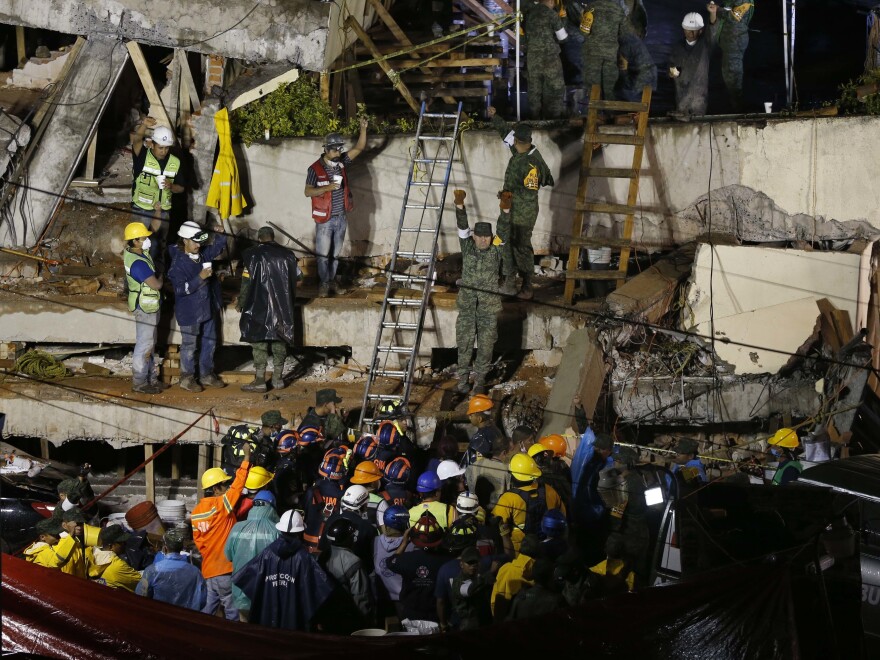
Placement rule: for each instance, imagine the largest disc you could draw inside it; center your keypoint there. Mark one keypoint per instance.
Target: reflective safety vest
(146, 188)
(322, 205)
(140, 294)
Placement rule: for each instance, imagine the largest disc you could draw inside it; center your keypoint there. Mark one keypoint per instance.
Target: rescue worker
(173, 579)
(249, 538)
(327, 417)
(351, 606)
(543, 32)
(471, 591)
(261, 439)
(389, 439)
(156, 175)
(732, 36)
(258, 478)
(395, 522)
(512, 577)
(353, 507)
(397, 475)
(603, 23)
(144, 286)
(105, 566)
(268, 290)
(70, 549)
(636, 69)
(488, 440)
(524, 504)
(328, 186)
(300, 587)
(570, 12)
(554, 535)
(196, 302)
(781, 447)
(452, 483)
(428, 487)
(625, 497)
(615, 572)
(42, 551)
(369, 476)
(543, 597)
(323, 499)
(687, 466)
(689, 67)
(488, 540)
(478, 301)
(212, 520)
(525, 175)
(590, 515)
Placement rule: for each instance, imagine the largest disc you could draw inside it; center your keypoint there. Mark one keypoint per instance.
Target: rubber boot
(527, 291)
(278, 376)
(258, 384)
(508, 288)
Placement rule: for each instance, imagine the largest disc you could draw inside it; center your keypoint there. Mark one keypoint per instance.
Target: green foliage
(850, 104)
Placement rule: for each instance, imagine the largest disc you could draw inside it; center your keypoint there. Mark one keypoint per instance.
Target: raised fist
(459, 197)
(506, 200)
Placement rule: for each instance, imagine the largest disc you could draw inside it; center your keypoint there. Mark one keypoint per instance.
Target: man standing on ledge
(328, 187)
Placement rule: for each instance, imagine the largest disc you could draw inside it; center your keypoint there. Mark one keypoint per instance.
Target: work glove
(459, 197)
(506, 200)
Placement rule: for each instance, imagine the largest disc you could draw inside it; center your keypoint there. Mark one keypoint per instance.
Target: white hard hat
(693, 21)
(354, 498)
(467, 502)
(291, 522)
(192, 231)
(448, 469)
(163, 137)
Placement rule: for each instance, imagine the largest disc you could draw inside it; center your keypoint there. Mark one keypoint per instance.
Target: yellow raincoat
(225, 193)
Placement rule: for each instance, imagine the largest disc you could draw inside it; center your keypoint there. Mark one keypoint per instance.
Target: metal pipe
(51, 262)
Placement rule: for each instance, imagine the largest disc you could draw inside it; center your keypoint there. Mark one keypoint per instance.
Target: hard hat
(553, 524)
(366, 473)
(397, 517)
(308, 435)
(467, 503)
(136, 230)
(193, 232)
(785, 438)
(285, 441)
(427, 532)
(462, 533)
(257, 478)
(428, 482)
(354, 498)
(334, 140)
(523, 468)
(367, 447)
(536, 449)
(391, 409)
(333, 466)
(213, 477)
(163, 137)
(479, 403)
(555, 443)
(448, 469)
(388, 435)
(291, 522)
(398, 470)
(265, 496)
(342, 532)
(693, 21)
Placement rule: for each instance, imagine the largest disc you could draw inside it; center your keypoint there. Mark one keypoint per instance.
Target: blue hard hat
(397, 517)
(388, 435)
(428, 482)
(398, 470)
(265, 496)
(366, 447)
(553, 524)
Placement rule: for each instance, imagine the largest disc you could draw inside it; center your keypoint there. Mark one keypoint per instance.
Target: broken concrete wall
(763, 300)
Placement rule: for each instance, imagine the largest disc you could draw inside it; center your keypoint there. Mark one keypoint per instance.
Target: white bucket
(171, 511)
(369, 632)
(119, 519)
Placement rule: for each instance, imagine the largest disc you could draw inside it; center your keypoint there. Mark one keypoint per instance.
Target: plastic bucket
(119, 519)
(144, 516)
(171, 512)
(90, 534)
(369, 632)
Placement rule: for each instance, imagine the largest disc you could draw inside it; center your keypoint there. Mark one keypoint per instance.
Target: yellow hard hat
(479, 403)
(257, 478)
(785, 438)
(136, 230)
(213, 477)
(555, 443)
(523, 468)
(536, 449)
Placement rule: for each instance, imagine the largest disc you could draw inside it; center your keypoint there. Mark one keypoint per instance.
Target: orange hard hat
(366, 472)
(479, 403)
(555, 443)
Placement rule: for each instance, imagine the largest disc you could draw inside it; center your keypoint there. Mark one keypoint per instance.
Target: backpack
(536, 507)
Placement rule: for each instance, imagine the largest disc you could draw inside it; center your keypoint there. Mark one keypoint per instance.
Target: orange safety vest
(322, 205)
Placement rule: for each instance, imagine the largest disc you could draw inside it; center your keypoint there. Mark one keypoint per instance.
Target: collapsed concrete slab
(647, 296)
(761, 302)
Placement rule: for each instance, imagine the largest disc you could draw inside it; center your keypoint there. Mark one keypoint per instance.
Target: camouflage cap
(272, 418)
(49, 526)
(74, 515)
(68, 486)
(482, 229)
(522, 132)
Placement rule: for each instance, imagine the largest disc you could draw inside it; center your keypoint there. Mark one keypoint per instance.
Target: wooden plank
(143, 71)
(186, 78)
(454, 63)
(201, 463)
(485, 14)
(457, 92)
(827, 324)
(620, 106)
(605, 207)
(398, 84)
(612, 172)
(44, 449)
(20, 45)
(448, 77)
(615, 138)
(324, 85)
(176, 460)
(595, 275)
(843, 325)
(90, 158)
(150, 473)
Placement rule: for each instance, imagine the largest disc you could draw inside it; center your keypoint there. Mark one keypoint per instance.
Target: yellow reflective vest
(146, 188)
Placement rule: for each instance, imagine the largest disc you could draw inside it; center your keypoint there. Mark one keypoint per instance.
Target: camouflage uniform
(543, 64)
(525, 175)
(478, 301)
(641, 71)
(609, 25)
(732, 37)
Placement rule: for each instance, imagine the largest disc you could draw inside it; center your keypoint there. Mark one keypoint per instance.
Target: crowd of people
(572, 45)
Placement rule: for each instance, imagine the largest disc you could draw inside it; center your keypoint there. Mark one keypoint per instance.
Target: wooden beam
(485, 14)
(449, 77)
(44, 449)
(90, 157)
(19, 45)
(143, 71)
(262, 90)
(325, 86)
(201, 464)
(454, 63)
(186, 78)
(150, 473)
(352, 23)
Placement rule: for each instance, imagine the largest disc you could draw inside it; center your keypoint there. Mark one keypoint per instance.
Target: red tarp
(740, 614)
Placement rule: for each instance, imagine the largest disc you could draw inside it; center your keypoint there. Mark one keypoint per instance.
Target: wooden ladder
(583, 207)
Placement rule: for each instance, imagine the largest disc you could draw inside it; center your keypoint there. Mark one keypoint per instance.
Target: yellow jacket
(41, 554)
(105, 567)
(511, 577)
(511, 508)
(224, 193)
(71, 556)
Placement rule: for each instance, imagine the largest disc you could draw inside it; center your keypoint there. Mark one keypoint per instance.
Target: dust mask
(145, 246)
(67, 505)
(193, 255)
(691, 43)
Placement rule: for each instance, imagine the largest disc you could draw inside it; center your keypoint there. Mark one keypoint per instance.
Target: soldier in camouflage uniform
(526, 173)
(603, 23)
(731, 33)
(478, 298)
(543, 30)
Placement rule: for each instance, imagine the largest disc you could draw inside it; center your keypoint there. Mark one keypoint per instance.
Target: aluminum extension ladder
(410, 274)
